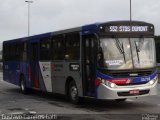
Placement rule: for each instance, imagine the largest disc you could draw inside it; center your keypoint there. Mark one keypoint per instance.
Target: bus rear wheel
(73, 93)
(23, 88)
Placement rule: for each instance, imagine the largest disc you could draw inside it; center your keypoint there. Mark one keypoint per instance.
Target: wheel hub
(74, 92)
(22, 86)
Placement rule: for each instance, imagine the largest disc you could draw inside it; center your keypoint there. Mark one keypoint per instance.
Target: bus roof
(89, 27)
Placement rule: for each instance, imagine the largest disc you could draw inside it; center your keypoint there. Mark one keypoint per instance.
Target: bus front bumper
(121, 92)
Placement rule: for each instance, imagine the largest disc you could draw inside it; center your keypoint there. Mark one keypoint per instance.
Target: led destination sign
(127, 28)
(138, 28)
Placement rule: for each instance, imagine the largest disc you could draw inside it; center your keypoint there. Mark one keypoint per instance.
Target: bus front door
(88, 58)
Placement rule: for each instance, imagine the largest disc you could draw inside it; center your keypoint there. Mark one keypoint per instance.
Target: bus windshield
(115, 53)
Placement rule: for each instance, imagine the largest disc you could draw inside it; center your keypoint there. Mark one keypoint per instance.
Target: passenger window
(72, 43)
(45, 49)
(58, 47)
(24, 56)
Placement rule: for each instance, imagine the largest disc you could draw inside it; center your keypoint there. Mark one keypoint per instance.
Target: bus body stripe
(45, 68)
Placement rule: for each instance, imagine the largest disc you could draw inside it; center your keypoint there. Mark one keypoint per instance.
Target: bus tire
(121, 100)
(23, 88)
(73, 93)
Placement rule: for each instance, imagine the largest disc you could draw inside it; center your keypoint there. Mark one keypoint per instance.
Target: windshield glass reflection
(116, 53)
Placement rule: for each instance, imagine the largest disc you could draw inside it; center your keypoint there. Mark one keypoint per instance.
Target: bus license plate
(134, 91)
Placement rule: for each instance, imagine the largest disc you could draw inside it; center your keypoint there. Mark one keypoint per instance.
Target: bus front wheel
(73, 93)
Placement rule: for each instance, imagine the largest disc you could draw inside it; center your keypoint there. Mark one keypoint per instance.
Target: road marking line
(26, 109)
(17, 113)
(129, 100)
(32, 112)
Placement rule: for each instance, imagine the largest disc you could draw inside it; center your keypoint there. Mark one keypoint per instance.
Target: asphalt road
(12, 101)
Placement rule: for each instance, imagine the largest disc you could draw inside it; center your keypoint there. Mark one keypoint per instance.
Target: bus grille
(141, 92)
(141, 83)
(129, 74)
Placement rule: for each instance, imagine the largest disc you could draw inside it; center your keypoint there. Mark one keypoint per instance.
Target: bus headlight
(151, 82)
(110, 84)
(105, 82)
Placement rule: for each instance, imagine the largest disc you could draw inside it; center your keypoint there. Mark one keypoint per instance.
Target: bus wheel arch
(68, 80)
(72, 90)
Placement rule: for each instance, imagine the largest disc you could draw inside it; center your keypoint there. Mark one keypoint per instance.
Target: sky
(53, 15)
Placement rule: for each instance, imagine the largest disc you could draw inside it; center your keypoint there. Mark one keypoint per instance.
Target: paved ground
(13, 101)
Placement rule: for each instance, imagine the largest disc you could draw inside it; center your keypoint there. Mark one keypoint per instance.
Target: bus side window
(45, 46)
(12, 52)
(18, 52)
(58, 47)
(72, 41)
(5, 52)
(24, 55)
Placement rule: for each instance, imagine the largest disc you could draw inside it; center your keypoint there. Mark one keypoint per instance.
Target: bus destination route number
(127, 28)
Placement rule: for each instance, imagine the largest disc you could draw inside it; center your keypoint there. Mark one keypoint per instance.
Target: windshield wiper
(138, 47)
(120, 48)
(137, 51)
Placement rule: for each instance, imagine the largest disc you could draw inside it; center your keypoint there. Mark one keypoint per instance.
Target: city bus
(108, 61)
